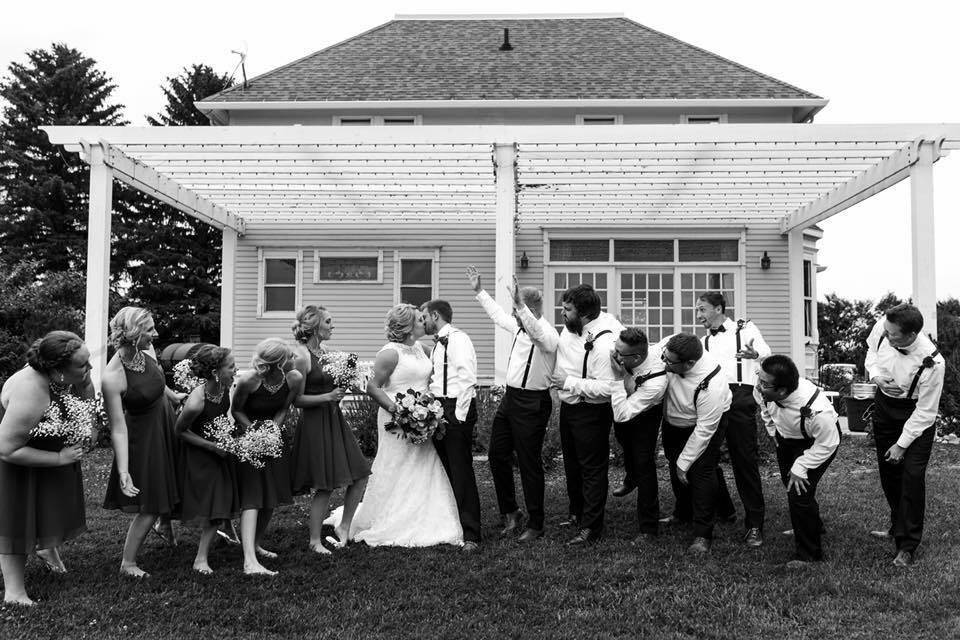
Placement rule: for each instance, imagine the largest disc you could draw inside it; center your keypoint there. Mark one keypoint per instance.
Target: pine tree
(43, 189)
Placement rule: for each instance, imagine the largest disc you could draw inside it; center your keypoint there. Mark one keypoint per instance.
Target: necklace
(137, 363)
(317, 351)
(214, 397)
(273, 388)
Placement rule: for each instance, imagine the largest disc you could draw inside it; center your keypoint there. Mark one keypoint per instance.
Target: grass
(610, 590)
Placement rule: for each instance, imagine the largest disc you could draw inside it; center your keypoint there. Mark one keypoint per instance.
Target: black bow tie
(441, 340)
(719, 329)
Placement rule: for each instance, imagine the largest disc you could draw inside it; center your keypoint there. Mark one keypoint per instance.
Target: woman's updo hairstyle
(208, 360)
(270, 353)
(307, 322)
(53, 351)
(400, 322)
(128, 325)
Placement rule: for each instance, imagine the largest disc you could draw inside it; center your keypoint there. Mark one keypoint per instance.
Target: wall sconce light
(524, 261)
(765, 261)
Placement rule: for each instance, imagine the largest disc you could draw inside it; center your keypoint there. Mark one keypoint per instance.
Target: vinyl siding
(768, 291)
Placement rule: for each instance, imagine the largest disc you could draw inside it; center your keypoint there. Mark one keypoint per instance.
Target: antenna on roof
(241, 64)
(506, 46)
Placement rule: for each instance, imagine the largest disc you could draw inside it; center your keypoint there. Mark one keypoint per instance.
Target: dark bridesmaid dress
(268, 487)
(209, 480)
(326, 455)
(40, 507)
(151, 444)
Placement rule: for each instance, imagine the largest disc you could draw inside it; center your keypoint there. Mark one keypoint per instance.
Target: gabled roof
(552, 58)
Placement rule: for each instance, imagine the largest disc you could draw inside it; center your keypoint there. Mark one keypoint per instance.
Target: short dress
(326, 455)
(40, 507)
(268, 487)
(151, 445)
(209, 480)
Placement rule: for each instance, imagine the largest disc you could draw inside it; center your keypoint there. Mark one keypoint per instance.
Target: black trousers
(696, 501)
(456, 454)
(585, 442)
(904, 484)
(638, 437)
(519, 426)
(741, 438)
(804, 509)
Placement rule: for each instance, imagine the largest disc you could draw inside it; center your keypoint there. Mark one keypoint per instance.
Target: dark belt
(894, 409)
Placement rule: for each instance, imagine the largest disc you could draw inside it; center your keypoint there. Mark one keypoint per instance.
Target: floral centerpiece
(71, 419)
(261, 442)
(183, 377)
(418, 418)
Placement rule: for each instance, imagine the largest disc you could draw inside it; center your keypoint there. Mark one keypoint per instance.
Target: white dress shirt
(888, 362)
(723, 346)
(534, 351)
(648, 394)
(595, 387)
(783, 417)
(461, 369)
(679, 409)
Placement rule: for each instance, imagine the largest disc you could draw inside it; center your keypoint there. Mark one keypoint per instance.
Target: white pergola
(793, 175)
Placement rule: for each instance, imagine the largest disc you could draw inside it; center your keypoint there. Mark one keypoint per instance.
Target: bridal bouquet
(260, 442)
(73, 420)
(183, 377)
(419, 417)
(219, 431)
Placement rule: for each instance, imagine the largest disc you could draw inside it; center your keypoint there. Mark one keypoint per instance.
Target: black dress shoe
(585, 537)
(529, 535)
(624, 489)
(511, 522)
(753, 538)
(904, 559)
(571, 521)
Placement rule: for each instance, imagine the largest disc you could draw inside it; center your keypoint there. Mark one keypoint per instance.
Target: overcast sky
(876, 62)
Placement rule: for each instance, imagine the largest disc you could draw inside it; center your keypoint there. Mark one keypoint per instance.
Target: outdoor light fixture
(524, 261)
(765, 261)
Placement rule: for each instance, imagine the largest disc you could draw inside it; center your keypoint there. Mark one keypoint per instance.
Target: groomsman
(584, 377)
(697, 397)
(637, 412)
(520, 423)
(738, 346)
(454, 381)
(803, 424)
(908, 371)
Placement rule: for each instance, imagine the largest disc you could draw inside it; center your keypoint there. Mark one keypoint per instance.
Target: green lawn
(547, 590)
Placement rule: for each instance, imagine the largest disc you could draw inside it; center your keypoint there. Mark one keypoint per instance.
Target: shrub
(360, 412)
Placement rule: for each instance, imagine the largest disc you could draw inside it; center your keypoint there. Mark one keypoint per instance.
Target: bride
(409, 501)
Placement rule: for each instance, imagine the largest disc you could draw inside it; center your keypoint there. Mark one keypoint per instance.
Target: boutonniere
(442, 340)
(588, 345)
(928, 362)
(806, 412)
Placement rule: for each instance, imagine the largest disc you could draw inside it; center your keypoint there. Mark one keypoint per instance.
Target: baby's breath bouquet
(259, 443)
(344, 369)
(183, 377)
(219, 431)
(72, 420)
(418, 418)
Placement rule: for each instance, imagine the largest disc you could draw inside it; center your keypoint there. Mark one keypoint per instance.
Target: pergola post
(923, 246)
(227, 286)
(505, 156)
(798, 351)
(98, 262)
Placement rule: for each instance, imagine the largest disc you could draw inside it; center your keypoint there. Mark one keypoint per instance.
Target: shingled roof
(557, 58)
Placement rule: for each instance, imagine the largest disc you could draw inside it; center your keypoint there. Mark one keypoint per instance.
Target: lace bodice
(412, 371)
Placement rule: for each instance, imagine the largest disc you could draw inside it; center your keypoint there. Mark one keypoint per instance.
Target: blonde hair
(400, 322)
(307, 322)
(270, 353)
(128, 325)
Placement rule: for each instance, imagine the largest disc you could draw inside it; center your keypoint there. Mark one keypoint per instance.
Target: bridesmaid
(141, 421)
(209, 485)
(325, 453)
(41, 484)
(265, 393)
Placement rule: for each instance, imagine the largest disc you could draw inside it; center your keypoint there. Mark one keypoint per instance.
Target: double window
(377, 121)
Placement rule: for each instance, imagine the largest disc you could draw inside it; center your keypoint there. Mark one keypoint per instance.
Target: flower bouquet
(419, 417)
(219, 431)
(347, 370)
(259, 443)
(73, 420)
(183, 377)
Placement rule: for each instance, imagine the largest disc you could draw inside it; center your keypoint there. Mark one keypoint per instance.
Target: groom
(453, 382)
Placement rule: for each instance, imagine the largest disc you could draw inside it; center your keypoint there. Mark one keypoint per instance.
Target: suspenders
(704, 384)
(639, 380)
(928, 363)
(806, 412)
(526, 369)
(587, 348)
(740, 325)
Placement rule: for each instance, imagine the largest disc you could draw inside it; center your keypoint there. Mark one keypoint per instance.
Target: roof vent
(506, 46)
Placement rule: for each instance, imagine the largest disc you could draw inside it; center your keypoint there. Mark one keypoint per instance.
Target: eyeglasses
(766, 385)
(664, 358)
(624, 356)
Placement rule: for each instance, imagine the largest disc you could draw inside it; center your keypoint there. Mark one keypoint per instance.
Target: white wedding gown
(409, 501)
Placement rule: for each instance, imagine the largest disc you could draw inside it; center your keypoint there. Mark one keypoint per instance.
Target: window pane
(280, 299)
(280, 271)
(807, 318)
(599, 120)
(580, 250)
(807, 272)
(416, 272)
(348, 268)
(355, 122)
(643, 250)
(399, 121)
(415, 295)
(709, 250)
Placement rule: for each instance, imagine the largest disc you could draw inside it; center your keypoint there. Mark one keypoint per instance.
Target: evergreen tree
(43, 189)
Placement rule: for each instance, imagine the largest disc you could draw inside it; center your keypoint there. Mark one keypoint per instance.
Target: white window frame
(686, 117)
(814, 336)
(376, 121)
(617, 117)
(613, 268)
(347, 253)
(416, 254)
(264, 254)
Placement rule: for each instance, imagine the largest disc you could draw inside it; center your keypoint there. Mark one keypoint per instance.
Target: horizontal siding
(768, 291)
